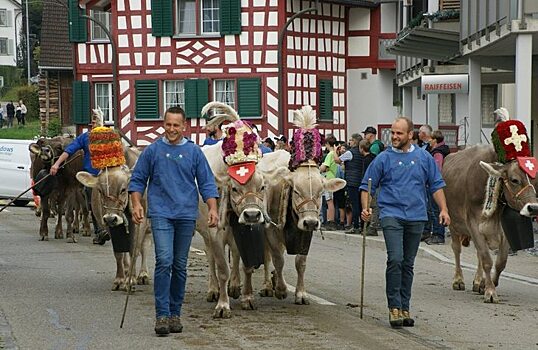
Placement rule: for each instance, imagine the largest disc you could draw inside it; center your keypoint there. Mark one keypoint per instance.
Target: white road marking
(312, 297)
(197, 251)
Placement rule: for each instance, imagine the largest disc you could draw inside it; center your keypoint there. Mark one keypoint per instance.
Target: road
(55, 295)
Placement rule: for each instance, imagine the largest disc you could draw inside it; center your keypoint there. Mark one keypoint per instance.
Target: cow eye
(234, 189)
(515, 181)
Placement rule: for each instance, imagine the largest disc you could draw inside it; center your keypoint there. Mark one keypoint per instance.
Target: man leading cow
(404, 173)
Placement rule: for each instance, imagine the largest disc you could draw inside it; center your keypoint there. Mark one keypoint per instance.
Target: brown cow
(465, 195)
(63, 186)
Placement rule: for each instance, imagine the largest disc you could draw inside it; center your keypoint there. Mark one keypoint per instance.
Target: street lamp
(114, 74)
(280, 64)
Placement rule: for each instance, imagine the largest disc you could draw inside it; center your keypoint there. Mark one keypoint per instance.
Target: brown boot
(395, 318)
(407, 320)
(175, 324)
(162, 326)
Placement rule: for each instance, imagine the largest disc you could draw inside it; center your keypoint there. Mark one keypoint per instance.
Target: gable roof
(56, 50)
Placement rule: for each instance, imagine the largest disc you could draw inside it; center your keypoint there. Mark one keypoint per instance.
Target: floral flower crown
(305, 146)
(106, 149)
(240, 144)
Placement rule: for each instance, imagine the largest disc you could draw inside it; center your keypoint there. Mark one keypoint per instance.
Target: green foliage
(55, 126)
(12, 77)
(28, 132)
(443, 15)
(29, 95)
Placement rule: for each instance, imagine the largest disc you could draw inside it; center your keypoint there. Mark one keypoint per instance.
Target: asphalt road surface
(56, 295)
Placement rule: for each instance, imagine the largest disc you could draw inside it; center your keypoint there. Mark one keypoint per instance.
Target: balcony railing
(449, 4)
(383, 53)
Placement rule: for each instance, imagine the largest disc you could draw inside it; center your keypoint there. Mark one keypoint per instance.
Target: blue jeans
(172, 242)
(402, 239)
(354, 196)
(433, 214)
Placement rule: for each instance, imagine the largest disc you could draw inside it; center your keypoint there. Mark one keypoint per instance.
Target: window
(325, 98)
(489, 104)
(188, 11)
(446, 109)
(103, 99)
(225, 92)
(3, 18)
(174, 94)
(97, 33)
(4, 46)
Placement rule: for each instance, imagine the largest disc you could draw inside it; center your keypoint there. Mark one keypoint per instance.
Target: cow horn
(226, 113)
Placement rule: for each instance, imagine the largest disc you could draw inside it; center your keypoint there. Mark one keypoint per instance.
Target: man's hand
(444, 218)
(366, 214)
(212, 218)
(138, 209)
(54, 169)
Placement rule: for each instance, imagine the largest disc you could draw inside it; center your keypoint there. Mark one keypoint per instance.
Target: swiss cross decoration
(242, 172)
(529, 165)
(510, 140)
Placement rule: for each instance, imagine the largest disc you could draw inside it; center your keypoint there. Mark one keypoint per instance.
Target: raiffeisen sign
(445, 84)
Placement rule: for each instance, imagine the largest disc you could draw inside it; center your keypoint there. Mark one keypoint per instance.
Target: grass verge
(27, 132)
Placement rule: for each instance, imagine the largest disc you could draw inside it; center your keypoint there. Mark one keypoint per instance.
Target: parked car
(15, 170)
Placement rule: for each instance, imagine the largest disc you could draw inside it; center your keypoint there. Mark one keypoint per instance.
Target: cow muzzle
(112, 220)
(529, 209)
(309, 224)
(251, 217)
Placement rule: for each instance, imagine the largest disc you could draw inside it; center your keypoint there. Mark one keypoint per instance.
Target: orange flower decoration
(106, 149)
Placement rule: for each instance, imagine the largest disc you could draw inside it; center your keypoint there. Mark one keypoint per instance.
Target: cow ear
(34, 148)
(334, 185)
(493, 169)
(87, 179)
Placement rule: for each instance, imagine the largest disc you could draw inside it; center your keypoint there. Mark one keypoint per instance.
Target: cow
(61, 191)
(465, 195)
(294, 203)
(111, 196)
(238, 204)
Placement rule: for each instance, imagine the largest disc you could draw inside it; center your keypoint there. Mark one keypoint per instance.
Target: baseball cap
(370, 130)
(281, 138)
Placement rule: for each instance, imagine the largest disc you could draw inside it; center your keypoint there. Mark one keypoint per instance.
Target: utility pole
(28, 43)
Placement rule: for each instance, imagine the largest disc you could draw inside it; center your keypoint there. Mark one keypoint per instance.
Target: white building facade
(10, 26)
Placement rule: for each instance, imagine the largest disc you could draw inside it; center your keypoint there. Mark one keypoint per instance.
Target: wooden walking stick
(136, 249)
(366, 226)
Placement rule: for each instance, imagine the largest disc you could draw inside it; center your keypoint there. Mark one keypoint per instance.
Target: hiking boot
(162, 326)
(425, 236)
(175, 324)
(433, 240)
(395, 318)
(370, 231)
(330, 226)
(353, 231)
(407, 320)
(101, 237)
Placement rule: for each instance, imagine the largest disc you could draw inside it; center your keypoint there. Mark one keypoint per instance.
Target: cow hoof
(71, 240)
(43, 238)
(478, 288)
(234, 291)
(59, 236)
(491, 297)
(222, 313)
(302, 300)
(115, 286)
(458, 285)
(266, 292)
(281, 294)
(85, 233)
(248, 304)
(212, 296)
(142, 279)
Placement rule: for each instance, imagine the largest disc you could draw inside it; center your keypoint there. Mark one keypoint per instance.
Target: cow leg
(70, 218)
(457, 282)
(86, 231)
(234, 287)
(490, 294)
(222, 310)
(277, 253)
(478, 281)
(143, 276)
(247, 300)
(267, 290)
(212, 284)
(45, 214)
(301, 298)
(128, 280)
(500, 262)
(119, 281)
(58, 232)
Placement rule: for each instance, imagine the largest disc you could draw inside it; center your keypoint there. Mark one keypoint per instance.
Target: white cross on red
(516, 138)
(529, 165)
(242, 171)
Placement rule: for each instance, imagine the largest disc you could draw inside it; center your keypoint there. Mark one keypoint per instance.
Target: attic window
(97, 33)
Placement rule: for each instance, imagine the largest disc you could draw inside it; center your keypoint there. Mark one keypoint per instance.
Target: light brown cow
(466, 174)
(111, 197)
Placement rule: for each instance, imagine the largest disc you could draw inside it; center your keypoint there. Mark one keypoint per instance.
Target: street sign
(445, 84)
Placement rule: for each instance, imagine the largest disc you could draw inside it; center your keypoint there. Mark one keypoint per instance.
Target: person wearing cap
(376, 145)
(215, 135)
(82, 142)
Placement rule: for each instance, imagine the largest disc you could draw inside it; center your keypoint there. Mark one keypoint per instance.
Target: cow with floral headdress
(295, 202)
(491, 199)
(242, 207)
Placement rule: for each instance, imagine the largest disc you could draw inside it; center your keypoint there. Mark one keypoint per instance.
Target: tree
(35, 11)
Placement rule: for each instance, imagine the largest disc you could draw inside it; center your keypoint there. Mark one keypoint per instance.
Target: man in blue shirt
(174, 170)
(404, 173)
(82, 142)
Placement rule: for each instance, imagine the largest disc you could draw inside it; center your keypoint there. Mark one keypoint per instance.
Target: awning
(433, 44)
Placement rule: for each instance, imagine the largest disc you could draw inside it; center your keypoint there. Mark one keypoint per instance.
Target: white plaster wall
(419, 108)
(369, 101)
(359, 18)
(359, 46)
(388, 18)
(9, 32)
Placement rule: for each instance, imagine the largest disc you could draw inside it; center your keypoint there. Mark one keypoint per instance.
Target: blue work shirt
(82, 142)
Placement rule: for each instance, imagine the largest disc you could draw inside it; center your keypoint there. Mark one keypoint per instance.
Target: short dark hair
(175, 110)
(331, 140)
(438, 136)
(364, 145)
